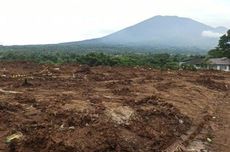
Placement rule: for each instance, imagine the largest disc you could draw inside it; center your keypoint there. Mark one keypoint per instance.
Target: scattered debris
(16, 136)
(10, 92)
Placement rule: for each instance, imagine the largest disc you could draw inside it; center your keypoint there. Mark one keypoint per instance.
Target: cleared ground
(77, 108)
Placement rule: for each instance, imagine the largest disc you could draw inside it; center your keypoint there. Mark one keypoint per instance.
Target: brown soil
(73, 108)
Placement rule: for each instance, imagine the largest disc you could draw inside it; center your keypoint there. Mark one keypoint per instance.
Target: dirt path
(221, 126)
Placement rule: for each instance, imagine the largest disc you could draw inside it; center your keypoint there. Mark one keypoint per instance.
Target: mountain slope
(169, 34)
(163, 32)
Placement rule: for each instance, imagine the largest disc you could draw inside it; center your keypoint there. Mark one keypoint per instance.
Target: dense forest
(163, 60)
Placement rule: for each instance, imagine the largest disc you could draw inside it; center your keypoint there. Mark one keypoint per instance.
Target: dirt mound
(85, 69)
(25, 98)
(122, 91)
(154, 110)
(146, 125)
(211, 84)
(7, 107)
(115, 84)
(165, 85)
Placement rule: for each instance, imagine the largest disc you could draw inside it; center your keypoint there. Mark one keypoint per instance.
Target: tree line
(162, 60)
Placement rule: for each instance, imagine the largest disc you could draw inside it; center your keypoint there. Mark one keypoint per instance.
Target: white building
(219, 64)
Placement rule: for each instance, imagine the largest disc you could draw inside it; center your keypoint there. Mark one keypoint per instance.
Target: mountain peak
(170, 17)
(164, 32)
(166, 16)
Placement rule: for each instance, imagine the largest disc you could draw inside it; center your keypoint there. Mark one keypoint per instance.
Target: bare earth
(73, 108)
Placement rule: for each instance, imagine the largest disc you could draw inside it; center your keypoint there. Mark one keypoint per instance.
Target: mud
(79, 108)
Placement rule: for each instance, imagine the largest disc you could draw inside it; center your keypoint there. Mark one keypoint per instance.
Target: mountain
(169, 34)
(162, 32)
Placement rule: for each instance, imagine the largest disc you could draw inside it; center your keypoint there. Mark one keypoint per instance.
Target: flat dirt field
(73, 108)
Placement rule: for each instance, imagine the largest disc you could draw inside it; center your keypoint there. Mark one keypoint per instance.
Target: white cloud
(211, 34)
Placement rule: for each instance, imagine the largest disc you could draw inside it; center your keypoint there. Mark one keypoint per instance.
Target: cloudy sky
(53, 21)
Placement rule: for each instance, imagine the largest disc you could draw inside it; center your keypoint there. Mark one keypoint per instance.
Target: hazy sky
(52, 21)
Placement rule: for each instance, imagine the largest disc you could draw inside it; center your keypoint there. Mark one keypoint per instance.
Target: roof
(195, 61)
(220, 61)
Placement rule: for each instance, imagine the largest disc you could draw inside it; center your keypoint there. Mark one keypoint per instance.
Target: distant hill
(160, 33)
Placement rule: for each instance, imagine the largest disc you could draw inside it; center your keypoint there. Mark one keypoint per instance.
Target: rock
(209, 140)
(71, 128)
(181, 121)
(57, 69)
(16, 136)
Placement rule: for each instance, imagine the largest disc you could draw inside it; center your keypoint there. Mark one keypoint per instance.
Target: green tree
(223, 49)
(224, 41)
